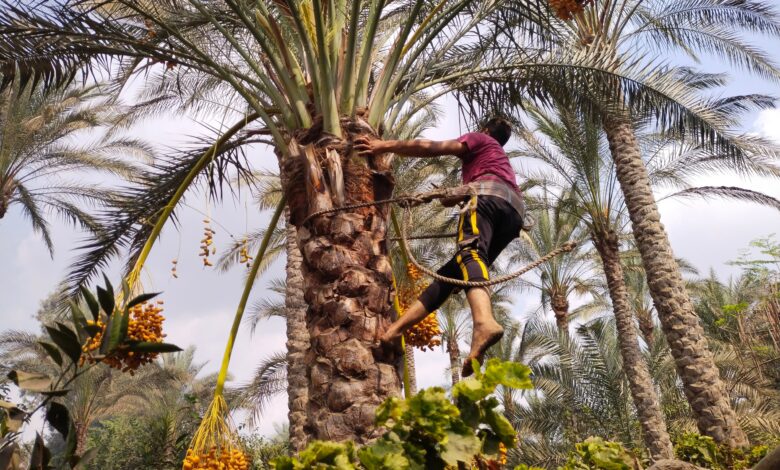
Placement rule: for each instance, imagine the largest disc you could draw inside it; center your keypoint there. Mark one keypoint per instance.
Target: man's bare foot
(483, 338)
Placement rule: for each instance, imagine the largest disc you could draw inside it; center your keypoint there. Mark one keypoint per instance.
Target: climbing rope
(566, 247)
(409, 201)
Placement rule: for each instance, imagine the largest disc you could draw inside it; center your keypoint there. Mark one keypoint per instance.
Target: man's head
(498, 128)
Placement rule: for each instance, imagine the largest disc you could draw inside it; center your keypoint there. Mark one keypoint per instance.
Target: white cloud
(768, 124)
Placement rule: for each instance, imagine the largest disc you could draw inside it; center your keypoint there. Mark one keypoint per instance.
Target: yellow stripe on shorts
(481, 264)
(463, 269)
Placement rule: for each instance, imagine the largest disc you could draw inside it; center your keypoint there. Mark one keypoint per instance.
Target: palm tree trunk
(560, 307)
(695, 365)
(646, 326)
(411, 370)
(347, 282)
(297, 344)
(649, 412)
(454, 352)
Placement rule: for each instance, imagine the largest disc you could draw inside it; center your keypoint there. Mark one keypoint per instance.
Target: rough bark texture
(81, 437)
(347, 285)
(646, 326)
(673, 465)
(560, 307)
(641, 384)
(454, 352)
(297, 344)
(703, 388)
(411, 370)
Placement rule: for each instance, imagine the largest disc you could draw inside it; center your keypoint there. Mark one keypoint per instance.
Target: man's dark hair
(499, 129)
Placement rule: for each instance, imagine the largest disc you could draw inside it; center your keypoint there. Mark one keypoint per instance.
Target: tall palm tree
(615, 35)
(565, 275)
(576, 156)
(39, 154)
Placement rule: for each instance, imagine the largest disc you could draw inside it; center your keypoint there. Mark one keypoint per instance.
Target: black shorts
(484, 230)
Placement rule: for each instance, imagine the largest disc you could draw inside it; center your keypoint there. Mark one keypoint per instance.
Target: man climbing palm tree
(489, 221)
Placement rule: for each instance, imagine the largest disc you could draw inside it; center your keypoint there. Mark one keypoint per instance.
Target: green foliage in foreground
(595, 452)
(704, 452)
(429, 431)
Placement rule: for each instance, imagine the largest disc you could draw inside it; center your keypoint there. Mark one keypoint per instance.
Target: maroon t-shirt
(485, 160)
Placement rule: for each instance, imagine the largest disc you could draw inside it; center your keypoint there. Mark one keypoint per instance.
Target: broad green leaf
(386, 453)
(459, 448)
(40, 455)
(106, 300)
(93, 330)
(14, 417)
(501, 426)
(141, 299)
(59, 418)
(125, 289)
(67, 341)
(490, 442)
(79, 321)
(508, 374)
(116, 331)
(471, 389)
(30, 382)
(92, 303)
(144, 346)
(52, 351)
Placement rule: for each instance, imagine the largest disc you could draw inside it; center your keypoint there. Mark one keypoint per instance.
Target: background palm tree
(40, 154)
(563, 276)
(627, 34)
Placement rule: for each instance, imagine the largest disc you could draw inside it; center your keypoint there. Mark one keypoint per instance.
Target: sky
(200, 304)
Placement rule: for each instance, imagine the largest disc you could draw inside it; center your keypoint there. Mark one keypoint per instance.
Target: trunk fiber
(297, 344)
(641, 384)
(454, 352)
(411, 370)
(695, 366)
(560, 307)
(347, 282)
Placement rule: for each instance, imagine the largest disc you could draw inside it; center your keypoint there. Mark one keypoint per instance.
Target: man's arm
(410, 148)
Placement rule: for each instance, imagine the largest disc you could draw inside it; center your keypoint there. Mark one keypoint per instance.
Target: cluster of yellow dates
(228, 459)
(145, 324)
(426, 334)
(206, 244)
(244, 257)
(566, 9)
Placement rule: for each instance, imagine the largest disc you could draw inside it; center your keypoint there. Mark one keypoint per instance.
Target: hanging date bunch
(567, 9)
(216, 443)
(207, 243)
(425, 334)
(243, 254)
(124, 338)
(145, 324)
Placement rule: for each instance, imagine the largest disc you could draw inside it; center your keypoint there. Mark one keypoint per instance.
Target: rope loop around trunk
(409, 201)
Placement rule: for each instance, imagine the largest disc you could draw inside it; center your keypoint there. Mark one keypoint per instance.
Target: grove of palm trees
(221, 223)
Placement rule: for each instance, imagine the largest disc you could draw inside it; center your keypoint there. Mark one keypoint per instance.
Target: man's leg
(486, 330)
(429, 301)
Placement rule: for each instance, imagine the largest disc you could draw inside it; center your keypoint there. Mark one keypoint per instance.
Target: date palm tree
(624, 33)
(310, 77)
(39, 153)
(566, 275)
(576, 156)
